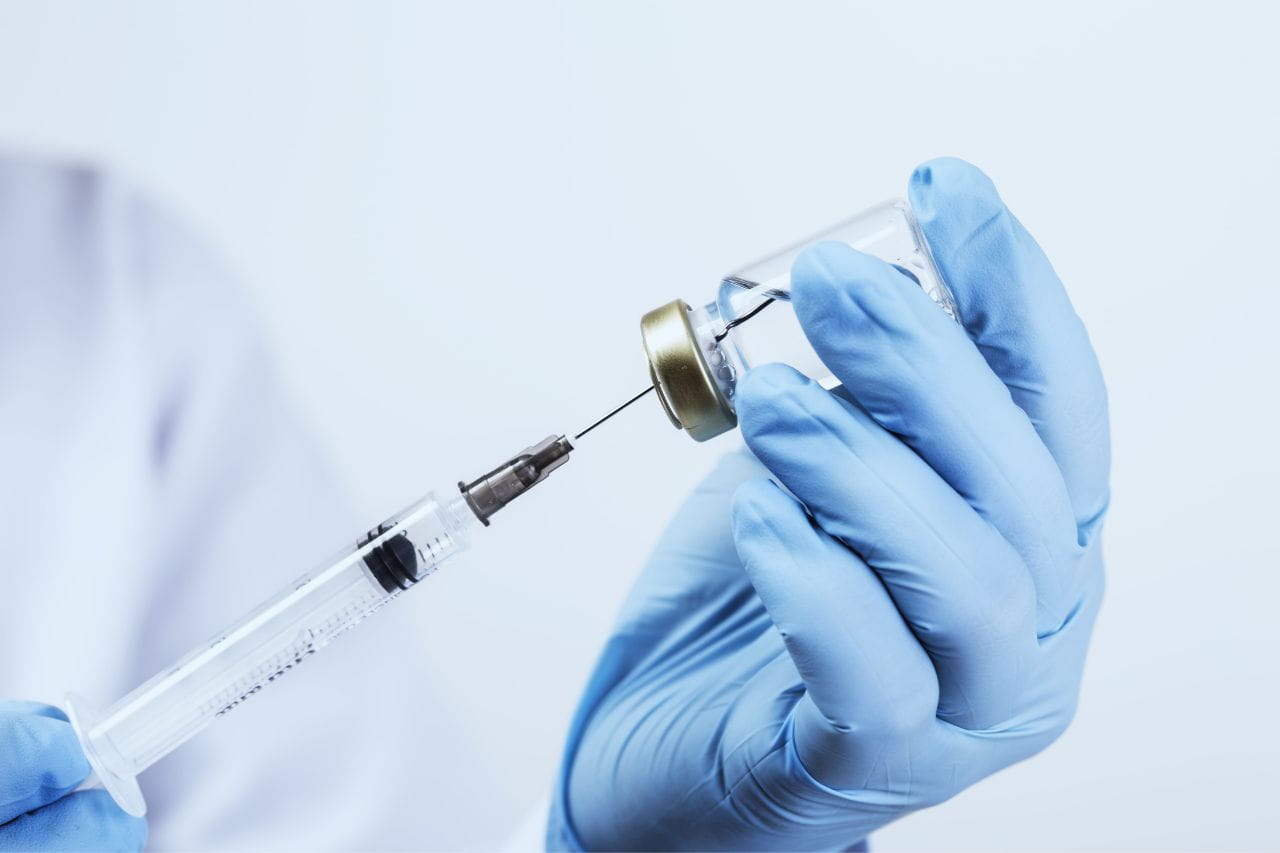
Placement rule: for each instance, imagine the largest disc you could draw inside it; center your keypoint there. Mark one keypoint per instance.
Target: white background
(451, 216)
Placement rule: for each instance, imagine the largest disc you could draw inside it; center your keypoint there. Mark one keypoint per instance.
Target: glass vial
(697, 354)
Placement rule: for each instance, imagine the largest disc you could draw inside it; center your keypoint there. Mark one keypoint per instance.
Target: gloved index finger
(40, 758)
(1018, 313)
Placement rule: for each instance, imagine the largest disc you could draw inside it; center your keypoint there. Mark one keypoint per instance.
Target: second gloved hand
(40, 766)
(914, 615)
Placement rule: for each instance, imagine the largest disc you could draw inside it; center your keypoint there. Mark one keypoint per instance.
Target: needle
(724, 333)
(614, 412)
(718, 338)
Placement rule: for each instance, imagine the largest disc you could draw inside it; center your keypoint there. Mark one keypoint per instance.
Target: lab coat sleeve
(326, 758)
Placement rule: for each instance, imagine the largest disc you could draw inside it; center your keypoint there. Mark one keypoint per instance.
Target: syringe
(166, 711)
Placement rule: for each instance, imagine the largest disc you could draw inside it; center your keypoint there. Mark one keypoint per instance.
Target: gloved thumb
(42, 760)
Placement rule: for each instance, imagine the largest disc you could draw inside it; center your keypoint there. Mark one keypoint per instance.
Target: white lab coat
(155, 487)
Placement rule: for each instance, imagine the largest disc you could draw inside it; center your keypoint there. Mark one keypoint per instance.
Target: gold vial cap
(686, 388)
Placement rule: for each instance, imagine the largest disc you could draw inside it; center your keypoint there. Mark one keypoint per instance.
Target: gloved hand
(924, 623)
(40, 764)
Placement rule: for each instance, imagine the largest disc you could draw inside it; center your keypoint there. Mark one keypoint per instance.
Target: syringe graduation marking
(435, 549)
(308, 642)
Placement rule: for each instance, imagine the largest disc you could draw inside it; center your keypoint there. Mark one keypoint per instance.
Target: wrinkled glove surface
(40, 766)
(795, 668)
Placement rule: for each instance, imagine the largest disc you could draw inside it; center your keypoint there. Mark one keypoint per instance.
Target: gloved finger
(85, 820)
(1017, 312)
(20, 706)
(40, 757)
(917, 373)
(869, 686)
(694, 560)
(960, 586)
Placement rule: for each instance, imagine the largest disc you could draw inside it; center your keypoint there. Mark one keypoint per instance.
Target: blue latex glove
(40, 765)
(924, 623)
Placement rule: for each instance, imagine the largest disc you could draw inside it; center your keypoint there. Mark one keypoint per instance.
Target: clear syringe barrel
(262, 647)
